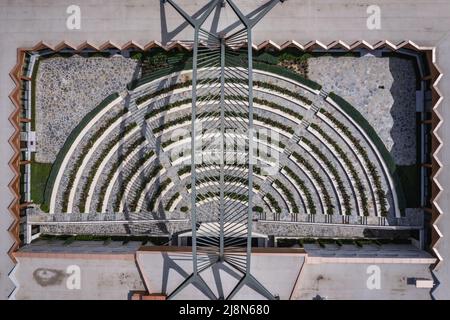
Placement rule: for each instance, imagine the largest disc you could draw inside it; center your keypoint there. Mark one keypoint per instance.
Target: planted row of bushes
(273, 87)
(258, 209)
(370, 166)
(187, 169)
(67, 145)
(316, 176)
(289, 195)
(93, 169)
(183, 64)
(267, 138)
(226, 113)
(343, 155)
(167, 107)
(273, 203)
(226, 178)
(115, 166)
(163, 186)
(229, 195)
(168, 89)
(286, 73)
(276, 106)
(153, 173)
(127, 179)
(301, 184)
(268, 121)
(334, 172)
(262, 84)
(171, 201)
(83, 153)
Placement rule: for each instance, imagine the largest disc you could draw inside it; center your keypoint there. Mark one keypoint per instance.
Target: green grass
(39, 177)
(410, 180)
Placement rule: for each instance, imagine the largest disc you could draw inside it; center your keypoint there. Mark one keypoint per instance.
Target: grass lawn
(39, 176)
(409, 177)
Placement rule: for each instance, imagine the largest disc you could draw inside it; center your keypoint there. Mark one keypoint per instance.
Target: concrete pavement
(24, 23)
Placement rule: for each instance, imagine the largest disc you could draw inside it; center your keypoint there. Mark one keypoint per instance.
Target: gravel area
(67, 89)
(382, 89)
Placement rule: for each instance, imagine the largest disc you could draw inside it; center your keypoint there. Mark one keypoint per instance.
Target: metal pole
(250, 149)
(222, 147)
(193, 154)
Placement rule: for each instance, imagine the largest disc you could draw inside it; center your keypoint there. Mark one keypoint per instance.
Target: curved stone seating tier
(186, 74)
(216, 184)
(72, 149)
(143, 195)
(374, 149)
(205, 90)
(281, 194)
(212, 119)
(217, 199)
(213, 136)
(358, 156)
(268, 205)
(207, 169)
(87, 158)
(328, 174)
(175, 203)
(300, 193)
(117, 173)
(133, 179)
(272, 209)
(116, 165)
(186, 159)
(156, 174)
(273, 112)
(104, 162)
(124, 186)
(188, 105)
(317, 190)
(345, 168)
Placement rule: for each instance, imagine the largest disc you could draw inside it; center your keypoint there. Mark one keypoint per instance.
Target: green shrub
(136, 56)
(171, 201)
(258, 209)
(266, 57)
(301, 184)
(334, 172)
(273, 203)
(371, 168)
(114, 168)
(289, 196)
(127, 179)
(84, 151)
(318, 179)
(287, 73)
(343, 155)
(163, 186)
(96, 165)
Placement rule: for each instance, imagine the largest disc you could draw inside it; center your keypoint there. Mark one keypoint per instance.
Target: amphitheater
(124, 154)
(155, 165)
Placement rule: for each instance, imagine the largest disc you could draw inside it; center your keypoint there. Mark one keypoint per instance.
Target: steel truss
(221, 76)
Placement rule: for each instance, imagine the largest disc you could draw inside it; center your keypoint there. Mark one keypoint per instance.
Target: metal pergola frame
(221, 248)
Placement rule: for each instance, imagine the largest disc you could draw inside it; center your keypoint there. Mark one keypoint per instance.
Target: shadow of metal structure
(225, 235)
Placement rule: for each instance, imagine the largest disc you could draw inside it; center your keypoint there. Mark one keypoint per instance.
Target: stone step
(323, 93)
